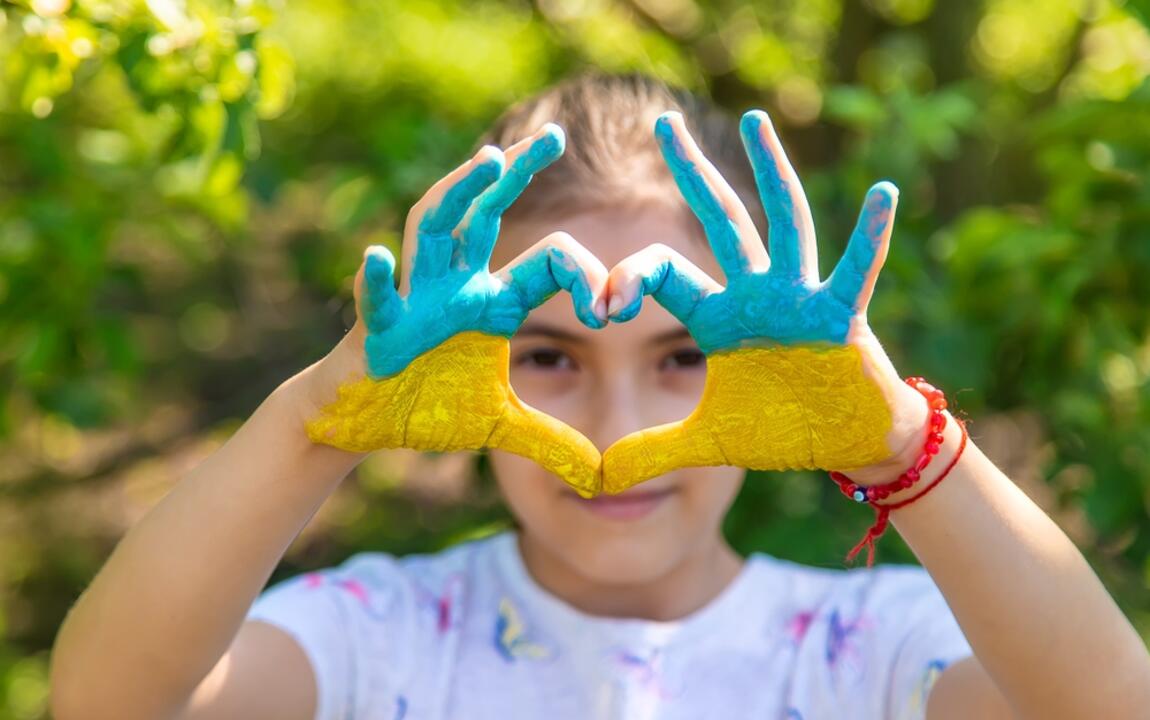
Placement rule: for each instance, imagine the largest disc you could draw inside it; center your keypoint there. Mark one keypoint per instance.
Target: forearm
(1038, 618)
(172, 596)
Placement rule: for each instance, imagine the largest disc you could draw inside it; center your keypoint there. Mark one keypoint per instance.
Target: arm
(1049, 641)
(160, 633)
(173, 595)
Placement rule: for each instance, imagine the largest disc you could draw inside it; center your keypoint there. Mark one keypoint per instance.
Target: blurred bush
(186, 188)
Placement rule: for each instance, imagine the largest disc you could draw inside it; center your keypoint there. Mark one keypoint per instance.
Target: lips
(630, 505)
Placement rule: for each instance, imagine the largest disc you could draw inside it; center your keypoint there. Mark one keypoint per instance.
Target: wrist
(305, 394)
(317, 386)
(953, 443)
(938, 456)
(930, 437)
(910, 417)
(952, 435)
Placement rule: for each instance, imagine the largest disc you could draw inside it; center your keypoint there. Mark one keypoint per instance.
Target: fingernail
(614, 305)
(600, 309)
(487, 153)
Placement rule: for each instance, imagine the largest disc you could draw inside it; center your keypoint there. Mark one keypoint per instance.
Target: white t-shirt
(467, 633)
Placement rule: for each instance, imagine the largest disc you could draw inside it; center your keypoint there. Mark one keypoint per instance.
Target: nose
(620, 410)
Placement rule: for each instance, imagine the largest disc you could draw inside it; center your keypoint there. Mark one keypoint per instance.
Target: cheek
(576, 398)
(680, 390)
(665, 396)
(525, 485)
(710, 490)
(548, 390)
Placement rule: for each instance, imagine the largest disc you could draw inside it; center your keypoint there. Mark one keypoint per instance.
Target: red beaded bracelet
(874, 493)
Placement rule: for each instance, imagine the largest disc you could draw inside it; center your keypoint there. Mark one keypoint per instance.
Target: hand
(429, 369)
(795, 377)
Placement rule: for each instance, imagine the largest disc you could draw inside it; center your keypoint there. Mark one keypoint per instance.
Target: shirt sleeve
(330, 613)
(932, 641)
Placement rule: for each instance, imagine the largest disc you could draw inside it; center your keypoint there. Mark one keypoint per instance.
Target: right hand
(428, 369)
(795, 377)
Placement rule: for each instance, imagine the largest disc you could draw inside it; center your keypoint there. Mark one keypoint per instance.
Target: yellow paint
(922, 692)
(456, 396)
(765, 409)
(762, 408)
(513, 635)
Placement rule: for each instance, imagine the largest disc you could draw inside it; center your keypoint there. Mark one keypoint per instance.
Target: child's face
(606, 384)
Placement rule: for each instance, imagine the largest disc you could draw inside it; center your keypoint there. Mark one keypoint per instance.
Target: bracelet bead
(936, 403)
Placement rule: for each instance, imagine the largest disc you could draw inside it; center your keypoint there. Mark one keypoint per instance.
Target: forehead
(613, 233)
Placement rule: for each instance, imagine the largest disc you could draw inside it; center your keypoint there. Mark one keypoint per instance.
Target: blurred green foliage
(186, 188)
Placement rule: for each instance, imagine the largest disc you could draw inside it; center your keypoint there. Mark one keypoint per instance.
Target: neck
(686, 587)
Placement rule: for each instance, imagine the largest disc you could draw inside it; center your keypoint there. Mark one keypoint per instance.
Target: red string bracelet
(872, 494)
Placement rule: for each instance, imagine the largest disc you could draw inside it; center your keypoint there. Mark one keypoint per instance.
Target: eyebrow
(534, 327)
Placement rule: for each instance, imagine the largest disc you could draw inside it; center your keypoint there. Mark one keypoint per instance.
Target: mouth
(630, 505)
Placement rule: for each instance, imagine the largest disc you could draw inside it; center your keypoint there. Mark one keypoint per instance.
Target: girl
(628, 604)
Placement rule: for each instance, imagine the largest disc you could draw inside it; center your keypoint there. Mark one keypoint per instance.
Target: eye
(684, 358)
(546, 359)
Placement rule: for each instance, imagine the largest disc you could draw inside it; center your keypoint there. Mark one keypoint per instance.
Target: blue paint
(478, 238)
(541, 275)
(760, 308)
(452, 288)
(722, 232)
(437, 224)
(773, 176)
(847, 280)
(676, 290)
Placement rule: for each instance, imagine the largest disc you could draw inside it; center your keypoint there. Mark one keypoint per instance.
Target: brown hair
(611, 159)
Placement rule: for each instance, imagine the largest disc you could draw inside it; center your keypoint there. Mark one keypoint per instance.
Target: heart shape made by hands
(795, 378)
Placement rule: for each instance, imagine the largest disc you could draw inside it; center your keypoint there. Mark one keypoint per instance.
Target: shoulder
(868, 613)
(887, 608)
(376, 585)
(363, 624)
(882, 590)
(888, 628)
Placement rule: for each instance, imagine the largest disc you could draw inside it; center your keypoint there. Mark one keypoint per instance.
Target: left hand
(795, 377)
(426, 365)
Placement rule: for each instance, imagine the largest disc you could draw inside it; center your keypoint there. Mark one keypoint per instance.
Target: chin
(615, 560)
(631, 538)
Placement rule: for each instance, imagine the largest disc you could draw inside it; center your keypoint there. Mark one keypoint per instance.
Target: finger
(725, 219)
(380, 304)
(559, 262)
(481, 225)
(791, 238)
(554, 445)
(443, 207)
(657, 270)
(853, 279)
(656, 451)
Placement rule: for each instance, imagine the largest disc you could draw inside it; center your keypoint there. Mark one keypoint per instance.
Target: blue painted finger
(791, 240)
(725, 220)
(436, 243)
(380, 304)
(674, 281)
(482, 227)
(557, 263)
(570, 275)
(853, 279)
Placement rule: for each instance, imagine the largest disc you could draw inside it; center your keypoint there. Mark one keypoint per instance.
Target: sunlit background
(187, 187)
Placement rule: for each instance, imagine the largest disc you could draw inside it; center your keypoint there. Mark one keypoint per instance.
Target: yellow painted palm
(795, 378)
(436, 359)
